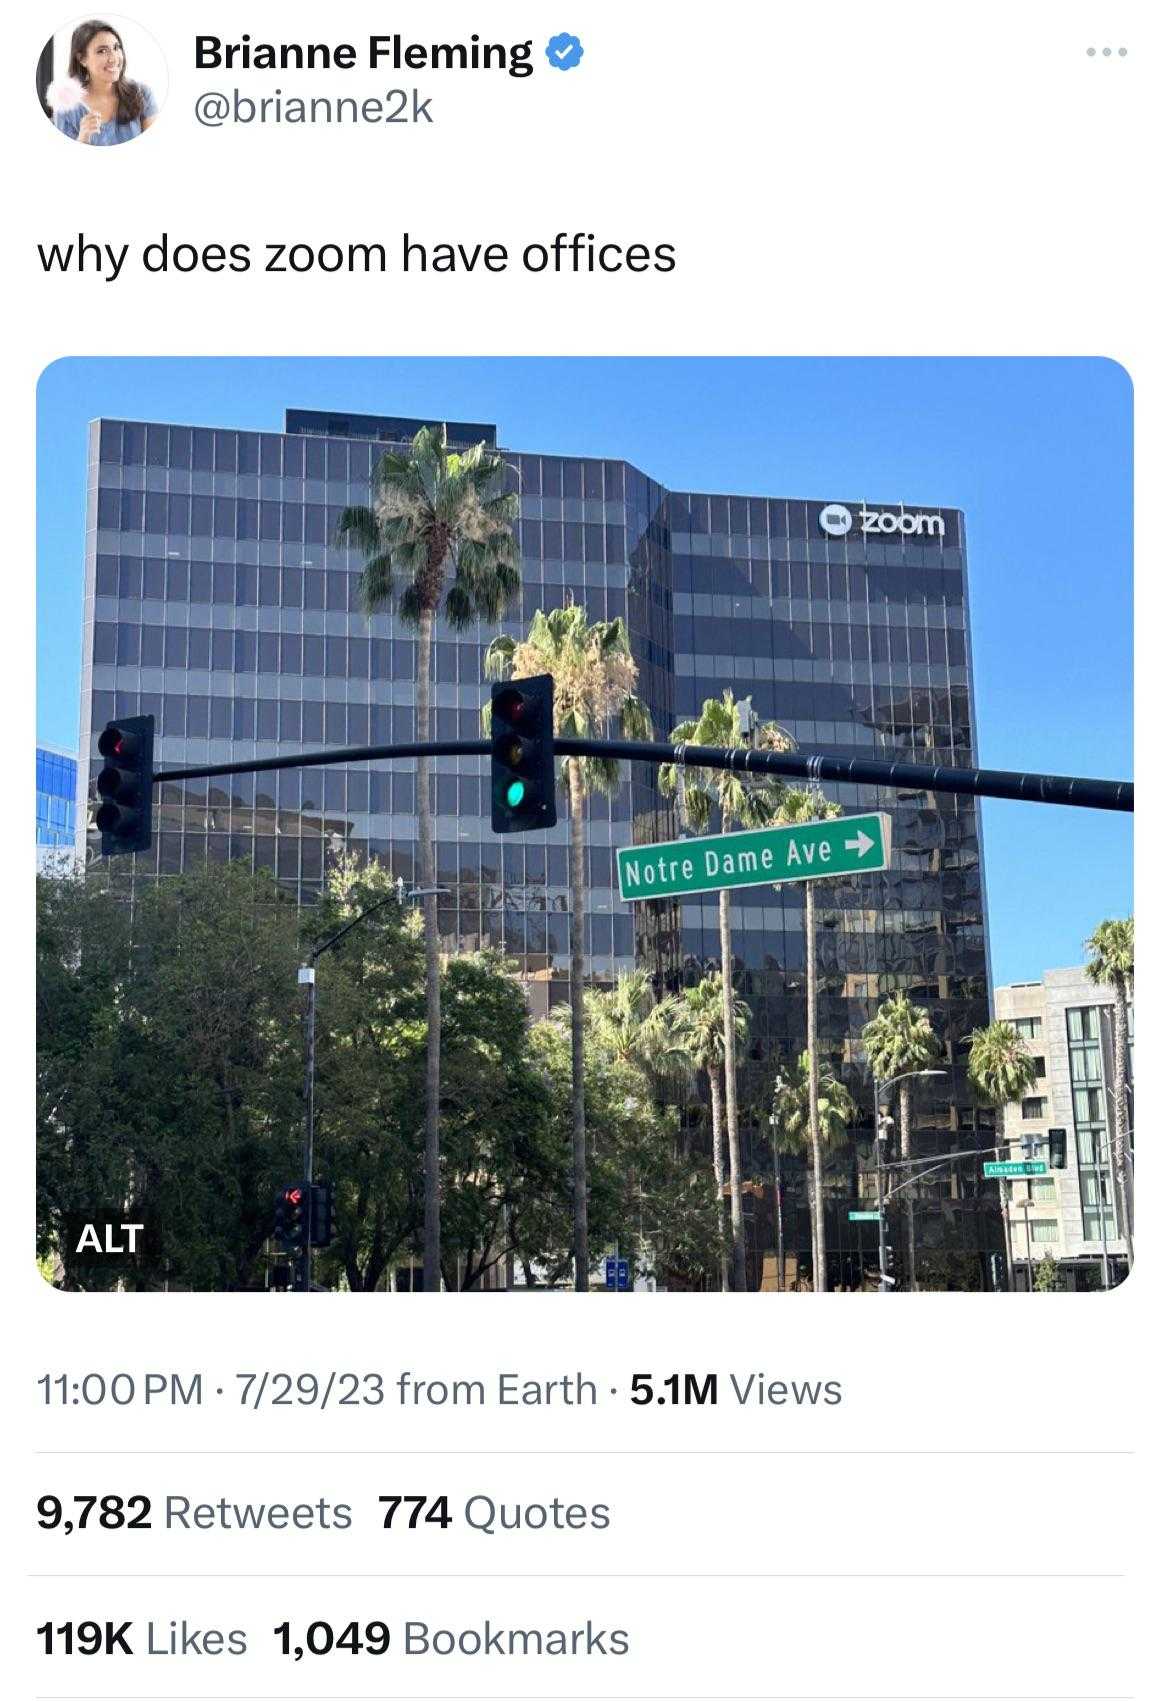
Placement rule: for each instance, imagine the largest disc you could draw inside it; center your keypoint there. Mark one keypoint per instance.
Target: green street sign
(1003, 1171)
(765, 856)
(864, 1216)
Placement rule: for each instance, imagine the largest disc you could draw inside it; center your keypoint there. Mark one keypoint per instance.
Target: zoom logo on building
(837, 521)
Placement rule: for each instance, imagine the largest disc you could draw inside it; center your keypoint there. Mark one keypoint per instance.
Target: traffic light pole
(307, 977)
(1073, 791)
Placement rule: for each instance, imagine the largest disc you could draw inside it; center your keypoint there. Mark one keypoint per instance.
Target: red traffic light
(125, 783)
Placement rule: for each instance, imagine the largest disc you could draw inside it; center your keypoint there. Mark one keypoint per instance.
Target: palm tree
(629, 1026)
(437, 538)
(799, 807)
(1001, 1070)
(898, 1041)
(593, 673)
(733, 800)
(1112, 962)
(699, 1028)
(804, 1121)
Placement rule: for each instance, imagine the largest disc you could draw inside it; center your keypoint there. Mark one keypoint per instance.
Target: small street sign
(1004, 1171)
(766, 856)
(864, 1216)
(617, 1275)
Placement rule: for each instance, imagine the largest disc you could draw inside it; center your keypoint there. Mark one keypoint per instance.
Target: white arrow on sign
(861, 843)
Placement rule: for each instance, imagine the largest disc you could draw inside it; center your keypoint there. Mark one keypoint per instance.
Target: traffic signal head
(1057, 1148)
(324, 1214)
(125, 784)
(523, 768)
(290, 1216)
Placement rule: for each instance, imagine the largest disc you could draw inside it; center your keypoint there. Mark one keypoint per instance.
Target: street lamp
(881, 1126)
(306, 976)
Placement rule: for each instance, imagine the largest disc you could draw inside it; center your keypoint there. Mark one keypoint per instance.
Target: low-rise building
(56, 808)
(1070, 1212)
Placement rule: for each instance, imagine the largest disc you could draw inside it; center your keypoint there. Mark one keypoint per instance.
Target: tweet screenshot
(578, 566)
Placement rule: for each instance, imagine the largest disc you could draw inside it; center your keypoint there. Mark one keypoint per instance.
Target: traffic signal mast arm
(1070, 790)
(1029, 1141)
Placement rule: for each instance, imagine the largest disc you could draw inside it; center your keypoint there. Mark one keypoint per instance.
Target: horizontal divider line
(599, 1576)
(588, 1452)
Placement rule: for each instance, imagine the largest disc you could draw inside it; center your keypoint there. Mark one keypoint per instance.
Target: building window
(1028, 1027)
(1090, 1115)
(1040, 1068)
(1044, 1230)
(1034, 1110)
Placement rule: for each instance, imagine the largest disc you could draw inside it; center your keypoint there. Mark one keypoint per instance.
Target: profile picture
(101, 81)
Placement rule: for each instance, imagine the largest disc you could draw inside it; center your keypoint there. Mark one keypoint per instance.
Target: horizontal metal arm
(905, 776)
(865, 770)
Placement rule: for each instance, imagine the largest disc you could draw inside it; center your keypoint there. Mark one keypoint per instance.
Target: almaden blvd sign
(767, 856)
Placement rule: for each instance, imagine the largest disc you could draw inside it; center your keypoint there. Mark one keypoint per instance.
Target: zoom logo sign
(837, 521)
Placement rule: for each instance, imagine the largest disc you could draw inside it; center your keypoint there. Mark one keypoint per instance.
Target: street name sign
(1003, 1171)
(764, 856)
(864, 1216)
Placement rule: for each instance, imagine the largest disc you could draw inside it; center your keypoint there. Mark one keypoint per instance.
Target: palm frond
(499, 657)
(636, 721)
(600, 774)
(375, 587)
(357, 528)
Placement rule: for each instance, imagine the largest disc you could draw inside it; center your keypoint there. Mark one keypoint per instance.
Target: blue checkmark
(564, 52)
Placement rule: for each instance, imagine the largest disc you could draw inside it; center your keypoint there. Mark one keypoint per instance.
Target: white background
(984, 1452)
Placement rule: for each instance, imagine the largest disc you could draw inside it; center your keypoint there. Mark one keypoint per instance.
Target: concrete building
(1066, 1022)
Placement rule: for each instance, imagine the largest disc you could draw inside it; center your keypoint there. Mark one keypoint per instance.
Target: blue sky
(1037, 452)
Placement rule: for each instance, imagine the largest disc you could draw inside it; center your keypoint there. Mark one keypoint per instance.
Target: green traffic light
(515, 794)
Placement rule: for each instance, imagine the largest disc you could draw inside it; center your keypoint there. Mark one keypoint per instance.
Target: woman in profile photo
(98, 103)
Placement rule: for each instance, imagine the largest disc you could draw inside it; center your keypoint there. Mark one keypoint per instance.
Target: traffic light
(523, 768)
(125, 784)
(1057, 1148)
(290, 1219)
(324, 1214)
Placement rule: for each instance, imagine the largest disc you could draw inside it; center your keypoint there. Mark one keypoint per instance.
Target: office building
(56, 807)
(1070, 1213)
(215, 601)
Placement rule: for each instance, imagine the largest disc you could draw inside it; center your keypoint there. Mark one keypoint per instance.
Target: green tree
(437, 538)
(644, 1197)
(799, 807)
(594, 675)
(1001, 1071)
(1111, 962)
(697, 1017)
(723, 800)
(371, 1064)
(805, 1122)
(1047, 1277)
(502, 1125)
(168, 1072)
(898, 1041)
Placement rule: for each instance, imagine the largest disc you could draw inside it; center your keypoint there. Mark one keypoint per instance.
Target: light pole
(1025, 1206)
(306, 976)
(880, 1127)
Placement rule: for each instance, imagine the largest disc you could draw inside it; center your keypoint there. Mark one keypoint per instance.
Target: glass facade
(1090, 1112)
(56, 800)
(215, 601)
